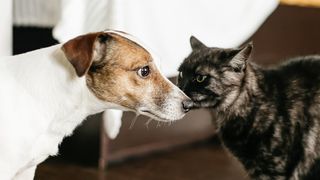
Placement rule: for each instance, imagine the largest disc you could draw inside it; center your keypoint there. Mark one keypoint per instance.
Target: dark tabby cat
(268, 118)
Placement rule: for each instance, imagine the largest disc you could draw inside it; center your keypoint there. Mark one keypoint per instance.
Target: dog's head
(121, 71)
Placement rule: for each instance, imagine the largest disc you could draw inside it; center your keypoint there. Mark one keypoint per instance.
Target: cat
(268, 118)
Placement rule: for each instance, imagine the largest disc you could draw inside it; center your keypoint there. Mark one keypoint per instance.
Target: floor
(202, 161)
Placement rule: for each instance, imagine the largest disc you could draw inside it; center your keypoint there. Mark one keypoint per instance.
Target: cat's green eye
(200, 78)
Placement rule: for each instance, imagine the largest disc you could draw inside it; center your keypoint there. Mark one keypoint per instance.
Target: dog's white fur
(39, 108)
(42, 100)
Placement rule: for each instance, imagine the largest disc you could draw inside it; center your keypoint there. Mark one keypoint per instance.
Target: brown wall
(290, 31)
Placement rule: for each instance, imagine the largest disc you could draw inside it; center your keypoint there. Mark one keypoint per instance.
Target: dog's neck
(59, 94)
(78, 101)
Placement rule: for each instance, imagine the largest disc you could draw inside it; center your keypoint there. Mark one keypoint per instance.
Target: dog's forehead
(129, 37)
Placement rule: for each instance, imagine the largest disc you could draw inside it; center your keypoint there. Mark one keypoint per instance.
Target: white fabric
(36, 13)
(6, 27)
(81, 16)
(112, 122)
(166, 25)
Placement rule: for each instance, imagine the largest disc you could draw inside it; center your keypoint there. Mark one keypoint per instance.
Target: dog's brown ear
(83, 50)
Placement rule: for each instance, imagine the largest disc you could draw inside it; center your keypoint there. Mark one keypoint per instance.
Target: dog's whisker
(148, 122)
(133, 121)
(165, 123)
(158, 124)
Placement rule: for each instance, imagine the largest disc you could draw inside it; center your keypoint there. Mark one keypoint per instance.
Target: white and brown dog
(46, 93)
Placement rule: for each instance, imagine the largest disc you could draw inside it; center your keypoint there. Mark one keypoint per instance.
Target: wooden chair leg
(104, 144)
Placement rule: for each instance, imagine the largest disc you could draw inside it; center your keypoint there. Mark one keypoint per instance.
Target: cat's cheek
(232, 78)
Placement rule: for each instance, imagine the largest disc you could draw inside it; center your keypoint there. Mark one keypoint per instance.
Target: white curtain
(5, 27)
(166, 25)
(36, 13)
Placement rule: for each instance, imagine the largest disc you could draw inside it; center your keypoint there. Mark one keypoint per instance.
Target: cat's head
(213, 76)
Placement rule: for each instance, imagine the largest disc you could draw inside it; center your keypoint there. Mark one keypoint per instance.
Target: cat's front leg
(301, 172)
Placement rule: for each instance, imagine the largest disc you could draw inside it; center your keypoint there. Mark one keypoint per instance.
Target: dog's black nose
(187, 105)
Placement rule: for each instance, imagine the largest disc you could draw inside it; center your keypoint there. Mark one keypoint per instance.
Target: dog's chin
(164, 117)
(156, 115)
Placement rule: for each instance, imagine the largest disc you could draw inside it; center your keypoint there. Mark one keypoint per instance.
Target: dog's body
(39, 106)
(46, 93)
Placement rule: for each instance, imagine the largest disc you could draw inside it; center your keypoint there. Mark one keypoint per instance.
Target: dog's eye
(200, 78)
(144, 71)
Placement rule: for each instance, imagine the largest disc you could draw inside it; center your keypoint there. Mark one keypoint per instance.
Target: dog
(46, 93)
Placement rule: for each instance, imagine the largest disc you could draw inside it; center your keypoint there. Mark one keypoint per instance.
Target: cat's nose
(187, 105)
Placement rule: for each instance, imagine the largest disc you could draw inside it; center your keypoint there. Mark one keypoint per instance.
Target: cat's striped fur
(268, 118)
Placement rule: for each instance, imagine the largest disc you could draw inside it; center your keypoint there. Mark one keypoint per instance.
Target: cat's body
(268, 118)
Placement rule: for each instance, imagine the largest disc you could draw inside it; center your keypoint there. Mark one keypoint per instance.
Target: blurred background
(115, 146)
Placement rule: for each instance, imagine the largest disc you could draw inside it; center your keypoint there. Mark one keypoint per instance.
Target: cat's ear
(196, 43)
(238, 62)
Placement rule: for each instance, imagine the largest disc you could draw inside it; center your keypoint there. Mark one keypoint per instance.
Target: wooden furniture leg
(104, 146)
